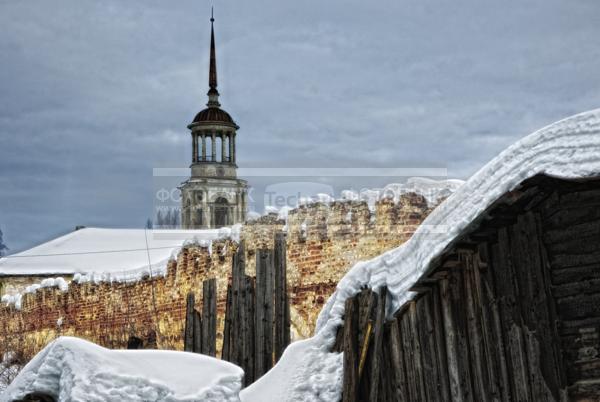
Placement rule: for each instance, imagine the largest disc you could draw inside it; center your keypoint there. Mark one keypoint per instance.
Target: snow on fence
(507, 312)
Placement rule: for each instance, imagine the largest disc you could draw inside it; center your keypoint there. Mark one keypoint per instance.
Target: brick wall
(323, 242)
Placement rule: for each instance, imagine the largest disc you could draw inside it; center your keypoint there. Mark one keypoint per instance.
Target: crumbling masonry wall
(323, 242)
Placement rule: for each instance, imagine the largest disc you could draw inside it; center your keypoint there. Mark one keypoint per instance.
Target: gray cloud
(93, 95)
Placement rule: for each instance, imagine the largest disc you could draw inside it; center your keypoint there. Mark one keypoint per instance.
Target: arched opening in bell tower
(221, 212)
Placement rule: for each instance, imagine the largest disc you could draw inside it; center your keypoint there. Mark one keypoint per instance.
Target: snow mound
(568, 149)
(71, 369)
(305, 370)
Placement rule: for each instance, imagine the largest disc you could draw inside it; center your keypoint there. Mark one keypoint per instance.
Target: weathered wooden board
(188, 343)
(376, 351)
(282, 304)
(225, 352)
(209, 317)
(507, 292)
(264, 312)
(351, 351)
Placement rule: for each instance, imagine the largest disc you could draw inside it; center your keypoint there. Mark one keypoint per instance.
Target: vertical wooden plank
(225, 353)
(376, 350)
(236, 352)
(493, 343)
(351, 351)
(479, 359)
(260, 321)
(440, 344)
(269, 310)
(264, 312)
(188, 344)
(396, 369)
(244, 350)
(282, 306)
(427, 342)
(508, 297)
(209, 317)
(546, 283)
(249, 330)
(197, 343)
(412, 354)
(367, 303)
(261, 282)
(544, 364)
(454, 328)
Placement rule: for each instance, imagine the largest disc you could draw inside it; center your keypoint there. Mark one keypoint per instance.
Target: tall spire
(213, 93)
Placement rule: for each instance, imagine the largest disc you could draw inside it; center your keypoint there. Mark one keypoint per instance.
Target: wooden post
(440, 343)
(376, 350)
(237, 314)
(209, 317)
(188, 343)
(264, 312)
(510, 317)
(367, 304)
(282, 305)
(396, 369)
(351, 351)
(455, 330)
(248, 331)
(412, 354)
(432, 372)
(197, 344)
(225, 352)
(478, 358)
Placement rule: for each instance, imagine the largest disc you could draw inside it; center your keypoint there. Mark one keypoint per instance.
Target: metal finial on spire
(213, 93)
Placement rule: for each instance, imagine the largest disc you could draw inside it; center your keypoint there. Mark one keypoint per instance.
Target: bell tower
(213, 196)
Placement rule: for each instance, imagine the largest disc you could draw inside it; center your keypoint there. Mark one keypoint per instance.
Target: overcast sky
(94, 94)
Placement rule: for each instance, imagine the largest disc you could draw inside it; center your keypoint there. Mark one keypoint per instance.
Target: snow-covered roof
(71, 369)
(568, 149)
(112, 251)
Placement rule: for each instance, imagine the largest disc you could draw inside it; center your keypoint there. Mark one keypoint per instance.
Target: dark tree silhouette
(3, 248)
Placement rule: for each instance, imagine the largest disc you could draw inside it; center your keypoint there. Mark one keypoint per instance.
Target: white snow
(252, 216)
(283, 213)
(9, 368)
(71, 369)
(108, 251)
(567, 149)
(288, 381)
(269, 209)
(105, 255)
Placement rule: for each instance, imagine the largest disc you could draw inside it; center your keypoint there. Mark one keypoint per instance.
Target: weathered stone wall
(323, 242)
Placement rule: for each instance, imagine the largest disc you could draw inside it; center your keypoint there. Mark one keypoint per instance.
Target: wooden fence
(509, 312)
(257, 313)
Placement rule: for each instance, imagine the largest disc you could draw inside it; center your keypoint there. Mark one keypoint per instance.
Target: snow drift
(71, 369)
